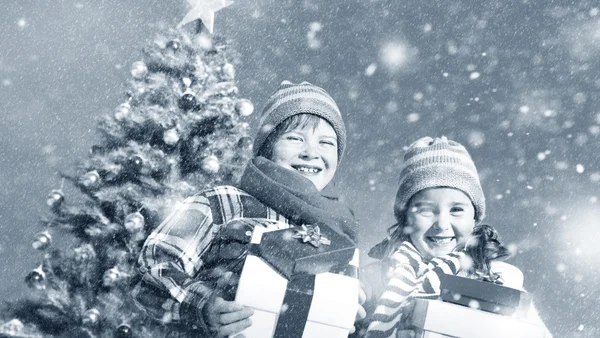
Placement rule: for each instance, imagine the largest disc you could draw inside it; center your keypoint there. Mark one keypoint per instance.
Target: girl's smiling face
(438, 219)
(310, 151)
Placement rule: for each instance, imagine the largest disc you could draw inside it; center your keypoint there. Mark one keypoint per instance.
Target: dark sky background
(517, 82)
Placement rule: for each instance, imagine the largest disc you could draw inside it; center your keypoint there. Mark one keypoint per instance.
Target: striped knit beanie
(293, 99)
(438, 162)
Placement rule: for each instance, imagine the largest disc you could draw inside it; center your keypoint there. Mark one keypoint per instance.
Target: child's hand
(227, 318)
(360, 313)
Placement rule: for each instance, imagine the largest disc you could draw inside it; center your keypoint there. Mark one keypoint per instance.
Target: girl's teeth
(444, 240)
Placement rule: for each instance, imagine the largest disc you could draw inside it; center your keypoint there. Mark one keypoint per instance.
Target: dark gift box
(483, 295)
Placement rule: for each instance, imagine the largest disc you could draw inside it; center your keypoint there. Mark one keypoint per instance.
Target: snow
(516, 82)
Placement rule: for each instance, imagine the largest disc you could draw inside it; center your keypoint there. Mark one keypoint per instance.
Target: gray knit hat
(438, 162)
(293, 99)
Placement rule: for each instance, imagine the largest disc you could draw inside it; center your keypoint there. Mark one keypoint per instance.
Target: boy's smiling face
(438, 220)
(311, 152)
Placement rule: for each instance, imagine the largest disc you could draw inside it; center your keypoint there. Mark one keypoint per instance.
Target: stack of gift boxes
(302, 282)
(472, 308)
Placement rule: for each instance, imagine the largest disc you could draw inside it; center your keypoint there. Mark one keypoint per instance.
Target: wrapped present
(484, 295)
(434, 318)
(301, 282)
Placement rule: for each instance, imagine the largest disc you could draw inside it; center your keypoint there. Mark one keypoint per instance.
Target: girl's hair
(294, 122)
(483, 247)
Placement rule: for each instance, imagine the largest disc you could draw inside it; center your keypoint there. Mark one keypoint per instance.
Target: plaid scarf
(295, 197)
(410, 277)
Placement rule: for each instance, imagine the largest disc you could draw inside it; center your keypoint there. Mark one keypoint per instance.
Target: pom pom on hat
(438, 162)
(292, 99)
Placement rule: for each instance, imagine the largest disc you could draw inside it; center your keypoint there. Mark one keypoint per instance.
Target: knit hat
(293, 99)
(438, 162)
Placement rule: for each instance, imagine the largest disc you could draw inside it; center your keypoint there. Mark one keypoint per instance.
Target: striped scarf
(409, 277)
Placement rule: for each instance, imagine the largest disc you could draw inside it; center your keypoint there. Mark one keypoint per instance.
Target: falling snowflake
(413, 117)
(476, 138)
(371, 69)
(394, 55)
(523, 109)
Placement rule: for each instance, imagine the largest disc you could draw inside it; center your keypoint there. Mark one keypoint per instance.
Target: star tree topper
(205, 11)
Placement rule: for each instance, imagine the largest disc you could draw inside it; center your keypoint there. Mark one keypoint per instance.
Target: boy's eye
(293, 138)
(457, 210)
(329, 143)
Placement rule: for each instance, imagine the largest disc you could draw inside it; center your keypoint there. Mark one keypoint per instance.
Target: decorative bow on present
(492, 277)
(308, 233)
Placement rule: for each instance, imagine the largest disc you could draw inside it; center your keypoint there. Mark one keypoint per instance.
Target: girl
(297, 149)
(439, 208)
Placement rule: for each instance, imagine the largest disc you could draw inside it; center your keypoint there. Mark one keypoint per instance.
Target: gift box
(300, 284)
(434, 318)
(486, 296)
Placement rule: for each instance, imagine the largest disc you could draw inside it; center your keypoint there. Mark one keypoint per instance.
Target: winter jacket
(173, 288)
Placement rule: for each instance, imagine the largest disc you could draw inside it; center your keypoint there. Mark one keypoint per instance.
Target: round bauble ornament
(136, 163)
(42, 241)
(187, 101)
(211, 164)
(228, 71)
(111, 276)
(134, 222)
(245, 143)
(122, 112)
(244, 107)
(36, 279)
(123, 331)
(171, 136)
(173, 45)
(90, 318)
(90, 180)
(55, 199)
(12, 328)
(139, 70)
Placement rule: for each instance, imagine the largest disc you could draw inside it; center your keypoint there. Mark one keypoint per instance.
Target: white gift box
(434, 318)
(333, 306)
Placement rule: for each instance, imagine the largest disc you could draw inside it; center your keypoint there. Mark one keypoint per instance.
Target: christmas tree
(179, 129)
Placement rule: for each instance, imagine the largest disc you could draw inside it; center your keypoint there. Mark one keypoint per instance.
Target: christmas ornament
(245, 143)
(13, 328)
(205, 11)
(55, 199)
(122, 111)
(228, 71)
(90, 318)
(244, 107)
(171, 136)
(124, 331)
(312, 235)
(90, 180)
(211, 164)
(187, 100)
(36, 279)
(42, 241)
(111, 276)
(134, 222)
(136, 163)
(173, 44)
(139, 70)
